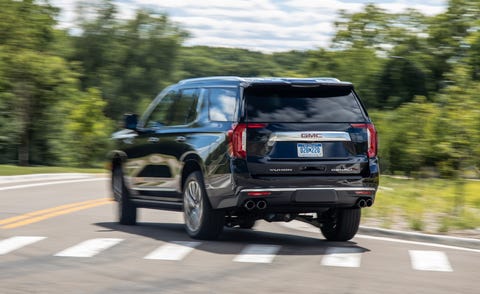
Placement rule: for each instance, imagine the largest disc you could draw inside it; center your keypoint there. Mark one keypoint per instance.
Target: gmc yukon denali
(229, 151)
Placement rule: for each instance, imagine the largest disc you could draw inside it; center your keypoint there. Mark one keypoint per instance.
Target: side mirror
(131, 121)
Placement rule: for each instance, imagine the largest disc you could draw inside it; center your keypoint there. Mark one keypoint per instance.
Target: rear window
(290, 104)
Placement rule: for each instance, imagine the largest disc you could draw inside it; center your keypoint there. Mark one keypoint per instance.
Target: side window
(160, 115)
(175, 109)
(222, 104)
(184, 109)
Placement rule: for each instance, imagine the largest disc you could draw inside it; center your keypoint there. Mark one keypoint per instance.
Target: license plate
(310, 150)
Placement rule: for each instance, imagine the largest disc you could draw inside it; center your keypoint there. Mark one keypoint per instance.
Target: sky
(260, 25)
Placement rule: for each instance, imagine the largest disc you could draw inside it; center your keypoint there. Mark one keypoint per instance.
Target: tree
(361, 66)
(365, 43)
(408, 140)
(87, 130)
(447, 36)
(201, 61)
(32, 78)
(458, 126)
(35, 83)
(377, 29)
(129, 61)
(400, 81)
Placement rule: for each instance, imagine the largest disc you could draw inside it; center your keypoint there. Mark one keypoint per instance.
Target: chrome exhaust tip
(249, 205)
(361, 203)
(262, 204)
(369, 202)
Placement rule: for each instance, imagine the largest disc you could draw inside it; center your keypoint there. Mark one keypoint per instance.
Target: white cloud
(265, 25)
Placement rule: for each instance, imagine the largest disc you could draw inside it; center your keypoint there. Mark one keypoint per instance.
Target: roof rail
(205, 79)
(327, 79)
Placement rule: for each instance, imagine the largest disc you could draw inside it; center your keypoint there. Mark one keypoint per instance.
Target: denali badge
(343, 170)
(311, 136)
(354, 168)
(281, 169)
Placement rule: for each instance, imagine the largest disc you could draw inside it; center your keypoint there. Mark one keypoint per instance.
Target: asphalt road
(60, 236)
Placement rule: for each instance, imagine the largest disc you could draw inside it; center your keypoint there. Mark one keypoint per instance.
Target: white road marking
(89, 248)
(297, 225)
(258, 253)
(423, 260)
(50, 183)
(342, 257)
(417, 243)
(14, 243)
(175, 251)
(42, 177)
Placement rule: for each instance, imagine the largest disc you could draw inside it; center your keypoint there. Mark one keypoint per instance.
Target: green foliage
(374, 28)
(406, 136)
(201, 61)
(128, 60)
(26, 24)
(359, 66)
(29, 76)
(35, 82)
(87, 130)
(400, 81)
(424, 204)
(457, 126)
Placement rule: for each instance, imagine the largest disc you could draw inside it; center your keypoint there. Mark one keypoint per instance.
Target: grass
(11, 170)
(429, 205)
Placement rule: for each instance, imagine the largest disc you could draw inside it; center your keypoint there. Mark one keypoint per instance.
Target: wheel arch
(191, 163)
(115, 158)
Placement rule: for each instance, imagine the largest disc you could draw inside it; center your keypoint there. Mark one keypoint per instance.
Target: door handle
(153, 139)
(181, 139)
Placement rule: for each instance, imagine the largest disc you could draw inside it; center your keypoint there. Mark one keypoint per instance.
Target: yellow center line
(44, 211)
(36, 216)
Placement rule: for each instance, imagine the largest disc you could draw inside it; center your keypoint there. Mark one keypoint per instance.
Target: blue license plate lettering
(309, 150)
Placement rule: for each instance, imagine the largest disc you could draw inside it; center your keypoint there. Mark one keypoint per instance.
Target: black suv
(228, 151)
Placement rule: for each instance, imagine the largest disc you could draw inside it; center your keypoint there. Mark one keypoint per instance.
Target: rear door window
(290, 104)
(222, 103)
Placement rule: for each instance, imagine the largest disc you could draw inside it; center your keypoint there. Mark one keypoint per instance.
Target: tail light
(238, 138)
(372, 138)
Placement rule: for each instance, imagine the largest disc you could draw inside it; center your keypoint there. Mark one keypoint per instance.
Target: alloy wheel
(193, 206)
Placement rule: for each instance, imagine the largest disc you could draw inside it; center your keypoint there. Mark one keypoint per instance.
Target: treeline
(62, 94)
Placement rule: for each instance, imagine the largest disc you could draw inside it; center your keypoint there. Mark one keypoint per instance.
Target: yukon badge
(276, 170)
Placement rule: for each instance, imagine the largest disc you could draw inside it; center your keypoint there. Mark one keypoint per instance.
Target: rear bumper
(299, 193)
(300, 199)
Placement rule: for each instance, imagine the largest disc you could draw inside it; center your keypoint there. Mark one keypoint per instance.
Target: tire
(127, 212)
(346, 226)
(247, 223)
(201, 221)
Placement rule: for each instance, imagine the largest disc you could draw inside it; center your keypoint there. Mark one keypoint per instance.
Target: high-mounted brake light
(256, 125)
(372, 138)
(238, 138)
